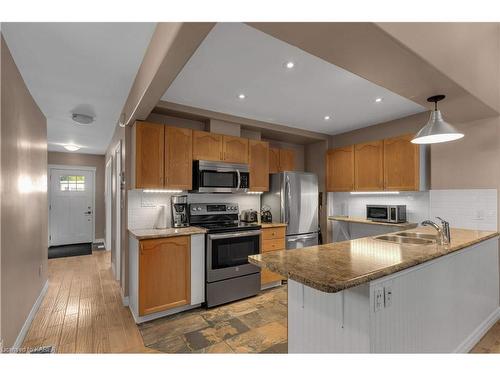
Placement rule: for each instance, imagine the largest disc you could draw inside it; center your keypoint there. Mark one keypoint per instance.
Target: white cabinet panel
(197, 269)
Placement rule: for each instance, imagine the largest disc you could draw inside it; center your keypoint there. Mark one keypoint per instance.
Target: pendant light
(436, 130)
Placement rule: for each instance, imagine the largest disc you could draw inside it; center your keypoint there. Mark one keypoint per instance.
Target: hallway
(82, 311)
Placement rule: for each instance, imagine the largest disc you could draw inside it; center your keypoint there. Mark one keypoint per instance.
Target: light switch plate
(387, 296)
(379, 299)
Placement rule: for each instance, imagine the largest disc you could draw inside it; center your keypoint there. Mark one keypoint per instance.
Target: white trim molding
(29, 319)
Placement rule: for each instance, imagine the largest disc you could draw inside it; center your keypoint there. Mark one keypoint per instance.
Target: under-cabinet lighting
(161, 191)
(374, 192)
(254, 192)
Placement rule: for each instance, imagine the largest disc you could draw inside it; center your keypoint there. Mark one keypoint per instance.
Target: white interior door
(71, 207)
(108, 197)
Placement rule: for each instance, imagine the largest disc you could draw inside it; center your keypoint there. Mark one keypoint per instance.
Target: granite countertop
(272, 225)
(145, 234)
(360, 220)
(333, 267)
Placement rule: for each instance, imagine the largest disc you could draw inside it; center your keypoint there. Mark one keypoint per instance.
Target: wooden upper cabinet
(164, 274)
(178, 158)
(287, 160)
(340, 169)
(369, 166)
(149, 154)
(234, 149)
(401, 163)
(207, 146)
(274, 160)
(259, 165)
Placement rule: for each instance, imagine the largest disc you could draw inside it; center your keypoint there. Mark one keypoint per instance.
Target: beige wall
(87, 160)
(24, 237)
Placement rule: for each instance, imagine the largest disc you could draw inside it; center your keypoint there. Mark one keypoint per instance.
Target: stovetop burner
(228, 227)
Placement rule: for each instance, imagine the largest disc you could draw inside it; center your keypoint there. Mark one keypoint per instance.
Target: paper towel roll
(161, 219)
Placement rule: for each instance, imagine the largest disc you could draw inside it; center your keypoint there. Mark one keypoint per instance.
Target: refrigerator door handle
(287, 200)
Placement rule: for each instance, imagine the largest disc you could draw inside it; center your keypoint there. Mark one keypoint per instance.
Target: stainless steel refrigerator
(293, 199)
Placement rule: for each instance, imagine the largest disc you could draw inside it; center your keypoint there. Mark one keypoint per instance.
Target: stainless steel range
(229, 275)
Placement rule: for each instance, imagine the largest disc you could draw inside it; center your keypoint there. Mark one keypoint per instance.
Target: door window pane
(72, 183)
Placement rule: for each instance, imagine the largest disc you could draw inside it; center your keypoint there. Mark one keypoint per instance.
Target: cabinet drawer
(273, 245)
(267, 276)
(273, 233)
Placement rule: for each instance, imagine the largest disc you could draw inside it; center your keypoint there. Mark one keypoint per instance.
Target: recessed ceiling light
(289, 64)
(72, 147)
(378, 100)
(241, 96)
(327, 118)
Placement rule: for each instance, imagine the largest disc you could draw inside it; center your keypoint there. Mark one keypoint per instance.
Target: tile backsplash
(471, 209)
(145, 210)
(463, 208)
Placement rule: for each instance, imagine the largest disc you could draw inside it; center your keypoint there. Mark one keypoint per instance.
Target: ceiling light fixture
(82, 119)
(378, 100)
(436, 130)
(241, 96)
(72, 147)
(289, 64)
(326, 118)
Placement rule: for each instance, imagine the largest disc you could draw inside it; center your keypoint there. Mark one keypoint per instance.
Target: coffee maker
(179, 211)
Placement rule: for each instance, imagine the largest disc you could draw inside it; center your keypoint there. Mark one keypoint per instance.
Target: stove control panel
(213, 208)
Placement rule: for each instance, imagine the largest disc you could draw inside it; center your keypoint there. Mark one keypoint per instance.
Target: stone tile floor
(253, 325)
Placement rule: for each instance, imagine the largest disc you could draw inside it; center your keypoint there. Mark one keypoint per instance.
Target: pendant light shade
(436, 130)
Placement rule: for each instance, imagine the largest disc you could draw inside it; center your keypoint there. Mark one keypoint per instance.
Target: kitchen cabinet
(274, 160)
(207, 146)
(273, 239)
(401, 163)
(258, 157)
(149, 154)
(340, 169)
(164, 274)
(369, 166)
(281, 160)
(178, 158)
(287, 160)
(234, 149)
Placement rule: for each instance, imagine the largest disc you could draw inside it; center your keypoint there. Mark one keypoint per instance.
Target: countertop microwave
(386, 213)
(220, 177)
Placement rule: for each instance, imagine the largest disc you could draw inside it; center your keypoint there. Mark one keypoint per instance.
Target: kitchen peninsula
(369, 295)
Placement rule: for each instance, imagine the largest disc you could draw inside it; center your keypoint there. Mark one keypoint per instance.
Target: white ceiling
(236, 58)
(83, 67)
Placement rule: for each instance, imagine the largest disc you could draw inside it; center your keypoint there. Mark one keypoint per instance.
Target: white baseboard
(29, 319)
(478, 333)
(125, 301)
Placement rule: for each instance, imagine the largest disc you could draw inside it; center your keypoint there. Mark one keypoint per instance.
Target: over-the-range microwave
(386, 213)
(220, 177)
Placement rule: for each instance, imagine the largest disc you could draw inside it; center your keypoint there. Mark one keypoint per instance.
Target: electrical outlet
(387, 296)
(379, 299)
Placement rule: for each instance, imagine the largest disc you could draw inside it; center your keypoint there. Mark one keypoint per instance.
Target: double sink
(410, 238)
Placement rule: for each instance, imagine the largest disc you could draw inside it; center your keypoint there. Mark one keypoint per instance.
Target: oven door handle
(233, 235)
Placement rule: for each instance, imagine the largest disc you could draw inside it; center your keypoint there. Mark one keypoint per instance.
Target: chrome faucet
(443, 232)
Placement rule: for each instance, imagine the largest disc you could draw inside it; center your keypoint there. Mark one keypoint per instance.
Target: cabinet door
(178, 158)
(287, 160)
(369, 166)
(164, 274)
(235, 149)
(274, 160)
(259, 165)
(149, 155)
(273, 239)
(401, 163)
(207, 146)
(340, 169)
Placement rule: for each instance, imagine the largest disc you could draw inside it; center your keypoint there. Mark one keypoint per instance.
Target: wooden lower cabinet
(273, 239)
(164, 274)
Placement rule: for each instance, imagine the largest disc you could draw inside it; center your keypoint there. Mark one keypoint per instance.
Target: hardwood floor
(82, 312)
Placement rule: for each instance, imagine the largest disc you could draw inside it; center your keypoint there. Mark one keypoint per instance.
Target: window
(72, 183)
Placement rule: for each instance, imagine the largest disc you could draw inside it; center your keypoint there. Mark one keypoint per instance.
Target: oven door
(227, 254)
(377, 213)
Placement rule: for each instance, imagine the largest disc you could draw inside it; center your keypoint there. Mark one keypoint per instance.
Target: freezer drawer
(301, 240)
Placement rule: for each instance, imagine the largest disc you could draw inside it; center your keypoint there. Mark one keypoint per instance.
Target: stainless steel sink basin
(417, 235)
(406, 240)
